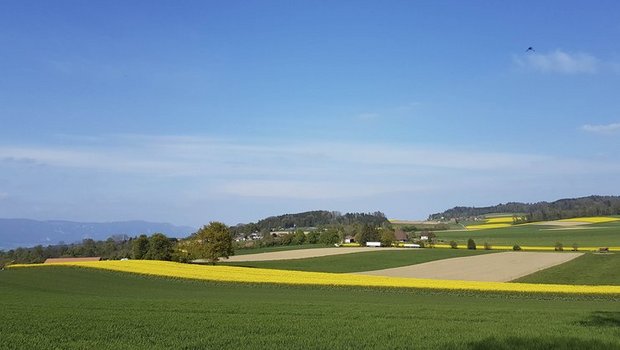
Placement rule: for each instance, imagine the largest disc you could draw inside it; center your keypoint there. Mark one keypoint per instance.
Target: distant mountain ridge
(26, 232)
(541, 211)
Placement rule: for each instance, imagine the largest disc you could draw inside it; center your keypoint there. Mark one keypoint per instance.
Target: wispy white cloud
(560, 62)
(307, 170)
(602, 128)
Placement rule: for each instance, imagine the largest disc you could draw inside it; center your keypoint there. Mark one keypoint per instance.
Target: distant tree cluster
(317, 218)
(116, 247)
(542, 211)
(156, 247)
(211, 242)
(216, 240)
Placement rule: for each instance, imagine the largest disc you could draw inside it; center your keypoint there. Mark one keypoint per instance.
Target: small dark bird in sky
(530, 49)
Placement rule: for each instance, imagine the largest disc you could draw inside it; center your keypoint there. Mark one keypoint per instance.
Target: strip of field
(365, 261)
(303, 253)
(499, 267)
(253, 275)
(77, 308)
(591, 268)
(535, 234)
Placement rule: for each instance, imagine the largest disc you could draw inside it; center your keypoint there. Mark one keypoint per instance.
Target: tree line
(210, 242)
(316, 218)
(541, 211)
(157, 246)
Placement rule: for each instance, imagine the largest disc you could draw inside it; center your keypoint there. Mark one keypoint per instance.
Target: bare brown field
(498, 267)
(305, 253)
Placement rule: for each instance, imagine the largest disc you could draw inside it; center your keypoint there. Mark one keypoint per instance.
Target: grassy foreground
(593, 269)
(74, 308)
(365, 261)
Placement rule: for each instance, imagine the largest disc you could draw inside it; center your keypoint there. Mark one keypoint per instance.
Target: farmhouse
(61, 260)
(349, 239)
(400, 235)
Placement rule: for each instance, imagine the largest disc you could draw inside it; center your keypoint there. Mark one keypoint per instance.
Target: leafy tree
(139, 247)
(313, 237)
(559, 246)
(487, 246)
(160, 247)
(329, 237)
(213, 242)
(387, 237)
(109, 248)
(471, 244)
(300, 237)
(89, 248)
(267, 240)
(286, 239)
(368, 233)
(453, 244)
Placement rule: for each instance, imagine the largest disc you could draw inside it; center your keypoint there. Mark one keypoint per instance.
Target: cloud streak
(561, 62)
(308, 170)
(602, 129)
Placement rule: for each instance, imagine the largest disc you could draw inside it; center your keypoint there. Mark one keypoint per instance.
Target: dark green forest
(541, 211)
(316, 218)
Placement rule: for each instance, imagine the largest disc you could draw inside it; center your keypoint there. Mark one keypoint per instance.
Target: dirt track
(498, 267)
(305, 253)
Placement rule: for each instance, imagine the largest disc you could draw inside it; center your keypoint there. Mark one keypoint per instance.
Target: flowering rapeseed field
(486, 226)
(592, 219)
(500, 220)
(254, 275)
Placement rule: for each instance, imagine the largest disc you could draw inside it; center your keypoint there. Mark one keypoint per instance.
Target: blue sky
(188, 112)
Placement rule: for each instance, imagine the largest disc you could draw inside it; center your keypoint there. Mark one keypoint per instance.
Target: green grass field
(603, 235)
(595, 269)
(365, 261)
(73, 308)
(245, 251)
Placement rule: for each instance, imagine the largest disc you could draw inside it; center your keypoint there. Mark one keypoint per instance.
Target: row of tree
(155, 247)
(317, 218)
(109, 249)
(215, 240)
(541, 211)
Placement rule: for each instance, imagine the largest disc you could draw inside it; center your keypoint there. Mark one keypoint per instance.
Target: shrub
(487, 246)
(471, 244)
(313, 237)
(453, 245)
(516, 247)
(329, 237)
(575, 247)
(286, 239)
(559, 247)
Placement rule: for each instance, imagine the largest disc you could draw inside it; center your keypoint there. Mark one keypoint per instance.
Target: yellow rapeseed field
(255, 275)
(499, 220)
(592, 219)
(486, 226)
